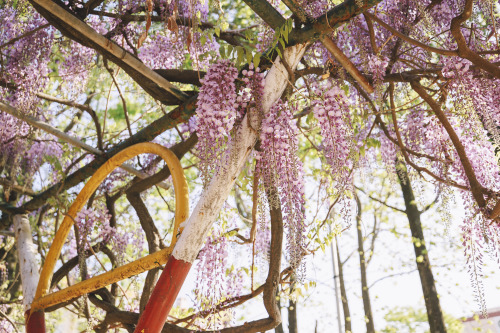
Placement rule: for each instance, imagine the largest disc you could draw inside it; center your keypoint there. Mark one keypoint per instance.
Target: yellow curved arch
(42, 300)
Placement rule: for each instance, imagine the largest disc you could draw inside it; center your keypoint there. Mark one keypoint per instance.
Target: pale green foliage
(411, 320)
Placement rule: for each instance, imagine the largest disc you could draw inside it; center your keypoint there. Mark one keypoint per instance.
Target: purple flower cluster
(4, 271)
(377, 66)
(185, 8)
(332, 111)
(263, 237)
(93, 225)
(24, 62)
(264, 38)
(279, 166)
(162, 51)
(473, 234)
(5, 325)
(216, 114)
(75, 67)
(23, 150)
(91, 220)
(251, 91)
(212, 283)
(314, 8)
(455, 67)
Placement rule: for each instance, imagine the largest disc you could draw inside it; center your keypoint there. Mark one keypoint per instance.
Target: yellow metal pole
(120, 273)
(136, 267)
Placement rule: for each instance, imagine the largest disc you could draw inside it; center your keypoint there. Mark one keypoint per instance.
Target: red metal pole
(35, 322)
(163, 297)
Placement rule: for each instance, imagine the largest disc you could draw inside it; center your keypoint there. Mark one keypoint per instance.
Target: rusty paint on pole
(35, 321)
(163, 296)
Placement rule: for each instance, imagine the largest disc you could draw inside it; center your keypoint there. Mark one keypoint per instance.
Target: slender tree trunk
(434, 313)
(370, 327)
(292, 317)
(343, 294)
(279, 328)
(292, 310)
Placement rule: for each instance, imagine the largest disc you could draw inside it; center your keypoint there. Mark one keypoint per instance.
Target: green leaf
(217, 31)
(249, 57)
(256, 59)
(309, 118)
(282, 42)
(222, 51)
(241, 53)
(284, 32)
(230, 50)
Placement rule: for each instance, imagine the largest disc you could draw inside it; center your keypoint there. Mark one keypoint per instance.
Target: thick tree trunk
(343, 294)
(434, 313)
(370, 327)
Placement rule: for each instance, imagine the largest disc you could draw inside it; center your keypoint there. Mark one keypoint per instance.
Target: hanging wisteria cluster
(24, 61)
(250, 92)
(215, 114)
(279, 167)
(332, 111)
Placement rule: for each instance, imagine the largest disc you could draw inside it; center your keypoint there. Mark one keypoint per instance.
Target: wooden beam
(73, 27)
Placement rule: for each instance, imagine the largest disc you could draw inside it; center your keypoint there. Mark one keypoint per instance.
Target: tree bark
(292, 309)
(370, 327)
(434, 313)
(279, 328)
(343, 294)
(27, 259)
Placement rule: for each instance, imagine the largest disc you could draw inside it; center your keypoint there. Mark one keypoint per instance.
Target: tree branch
(411, 40)
(332, 19)
(463, 49)
(182, 76)
(177, 116)
(475, 187)
(266, 12)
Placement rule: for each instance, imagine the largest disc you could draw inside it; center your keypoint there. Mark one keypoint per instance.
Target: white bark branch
(214, 196)
(27, 259)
